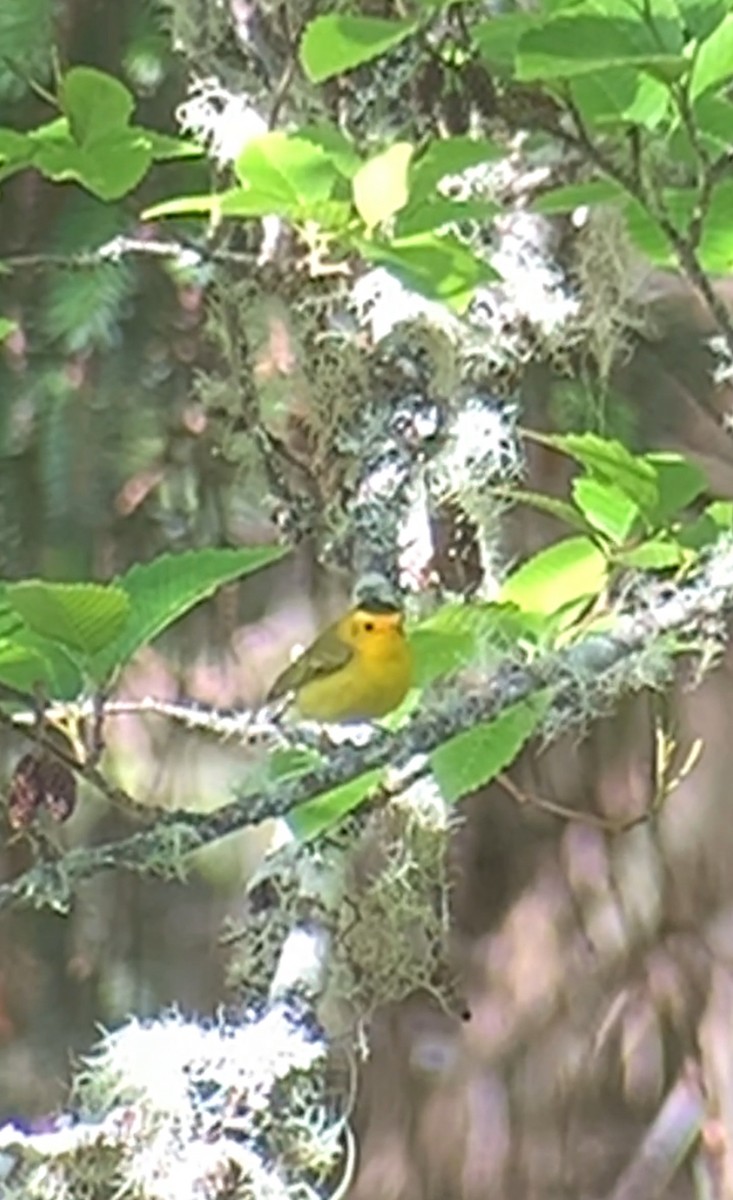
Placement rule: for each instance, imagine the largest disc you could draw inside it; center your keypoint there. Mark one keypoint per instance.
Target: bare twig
(117, 248)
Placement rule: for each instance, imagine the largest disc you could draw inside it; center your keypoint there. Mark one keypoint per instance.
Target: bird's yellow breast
(375, 679)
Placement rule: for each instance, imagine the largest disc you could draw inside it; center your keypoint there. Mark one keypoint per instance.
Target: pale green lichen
(172, 1109)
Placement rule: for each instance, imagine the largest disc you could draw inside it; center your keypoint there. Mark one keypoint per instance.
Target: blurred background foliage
(125, 430)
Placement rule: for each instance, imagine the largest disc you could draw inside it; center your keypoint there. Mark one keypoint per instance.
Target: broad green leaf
(23, 667)
(721, 512)
(498, 38)
(647, 234)
(163, 590)
(448, 156)
(323, 812)
(380, 186)
(50, 131)
(569, 571)
(679, 482)
(713, 118)
(86, 617)
(95, 104)
(15, 146)
(437, 266)
(680, 205)
(565, 199)
(606, 508)
(336, 145)
(620, 96)
(435, 214)
(6, 328)
(292, 761)
(577, 43)
(658, 554)
(461, 635)
(63, 678)
(472, 759)
(165, 148)
(610, 461)
(702, 16)
(109, 169)
(480, 627)
(714, 59)
(339, 42)
(717, 519)
(287, 172)
(439, 652)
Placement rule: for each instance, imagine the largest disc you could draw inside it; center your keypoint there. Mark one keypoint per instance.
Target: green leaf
(323, 812)
(498, 39)
(336, 145)
(6, 328)
(109, 169)
(472, 759)
(86, 617)
(438, 652)
(648, 235)
(713, 63)
(679, 482)
(23, 667)
(701, 16)
(15, 146)
(716, 240)
(458, 635)
(439, 267)
(569, 571)
(95, 104)
(721, 512)
(285, 174)
(713, 117)
(380, 186)
(565, 199)
(165, 148)
(435, 214)
(610, 461)
(606, 508)
(338, 42)
(658, 554)
(292, 761)
(576, 43)
(620, 96)
(63, 678)
(163, 590)
(448, 156)
(717, 519)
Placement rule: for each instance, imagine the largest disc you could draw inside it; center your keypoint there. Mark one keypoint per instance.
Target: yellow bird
(358, 669)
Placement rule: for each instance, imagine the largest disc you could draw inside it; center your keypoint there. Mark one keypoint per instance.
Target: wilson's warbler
(358, 669)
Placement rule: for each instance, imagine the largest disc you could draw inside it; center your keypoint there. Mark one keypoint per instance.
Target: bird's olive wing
(327, 654)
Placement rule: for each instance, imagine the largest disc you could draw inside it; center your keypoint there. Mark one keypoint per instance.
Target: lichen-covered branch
(583, 680)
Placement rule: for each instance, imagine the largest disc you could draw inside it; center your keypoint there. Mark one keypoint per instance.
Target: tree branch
(581, 679)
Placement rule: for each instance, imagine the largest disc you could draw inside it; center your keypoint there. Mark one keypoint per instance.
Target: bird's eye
(369, 627)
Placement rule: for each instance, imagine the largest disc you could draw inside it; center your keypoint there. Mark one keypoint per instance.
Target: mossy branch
(582, 679)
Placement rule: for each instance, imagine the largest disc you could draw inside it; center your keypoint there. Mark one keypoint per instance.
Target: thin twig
(117, 248)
